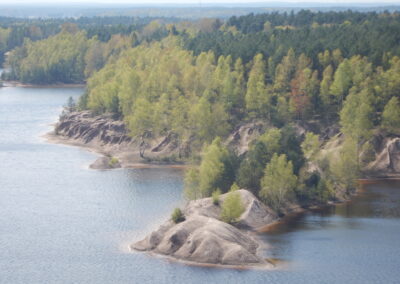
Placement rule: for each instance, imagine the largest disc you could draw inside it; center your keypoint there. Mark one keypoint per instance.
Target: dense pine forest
(335, 75)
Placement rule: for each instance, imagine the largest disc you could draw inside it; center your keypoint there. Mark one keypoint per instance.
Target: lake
(61, 222)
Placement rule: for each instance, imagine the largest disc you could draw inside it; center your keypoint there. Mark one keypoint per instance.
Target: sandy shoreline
(270, 264)
(129, 159)
(57, 85)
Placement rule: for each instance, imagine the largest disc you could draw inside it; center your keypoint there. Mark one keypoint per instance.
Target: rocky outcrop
(104, 163)
(110, 136)
(101, 130)
(315, 126)
(203, 238)
(243, 135)
(387, 160)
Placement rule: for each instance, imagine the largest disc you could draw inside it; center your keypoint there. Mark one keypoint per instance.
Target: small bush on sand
(215, 196)
(113, 161)
(232, 207)
(177, 216)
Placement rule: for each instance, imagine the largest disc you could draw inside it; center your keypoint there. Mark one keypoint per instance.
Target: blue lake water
(63, 223)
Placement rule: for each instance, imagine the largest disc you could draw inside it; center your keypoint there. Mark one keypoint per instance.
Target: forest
(201, 80)
(14, 31)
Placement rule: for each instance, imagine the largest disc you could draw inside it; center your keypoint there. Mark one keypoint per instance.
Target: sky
(194, 1)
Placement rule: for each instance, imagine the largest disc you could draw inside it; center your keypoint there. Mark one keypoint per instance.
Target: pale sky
(194, 1)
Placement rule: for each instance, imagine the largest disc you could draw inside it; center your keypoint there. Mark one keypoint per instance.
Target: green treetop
(279, 182)
(391, 115)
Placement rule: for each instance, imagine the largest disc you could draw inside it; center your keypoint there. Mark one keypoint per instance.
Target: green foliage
(215, 196)
(356, 116)
(278, 182)
(310, 145)
(192, 186)
(208, 120)
(342, 81)
(232, 207)
(4, 35)
(290, 146)
(344, 167)
(59, 58)
(257, 96)
(324, 191)
(141, 119)
(371, 34)
(252, 167)
(177, 92)
(212, 168)
(367, 153)
(113, 161)
(216, 170)
(177, 216)
(315, 188)
(391, 116)
(388, 81)
(234, 187)
(327, 78)
(272, 139)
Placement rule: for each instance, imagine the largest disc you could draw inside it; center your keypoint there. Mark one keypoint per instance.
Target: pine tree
(192, 185)
(345, 166)
(284, 72)
(310, 145)
(279, 182)
(212, 168)
(356, 116)
(391, 116)
(232, 207)
(342, 81)
(255, 86)
(327, 78)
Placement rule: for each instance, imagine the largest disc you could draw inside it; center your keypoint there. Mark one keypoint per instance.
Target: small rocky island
(203, 238)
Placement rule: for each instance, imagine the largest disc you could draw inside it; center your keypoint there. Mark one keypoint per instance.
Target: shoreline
(269, 265)
(359, 190)
(303, 210)
(135, 163)
(56, 85)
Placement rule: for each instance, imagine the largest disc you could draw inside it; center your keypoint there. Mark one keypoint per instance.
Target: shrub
(177, 216)
(113, 161)
(232, 208)
(234, 187)
(215, 196)
(278, 183)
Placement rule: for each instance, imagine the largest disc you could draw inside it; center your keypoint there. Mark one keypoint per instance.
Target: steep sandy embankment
(110, 137)
(204, 239)
(387, 157)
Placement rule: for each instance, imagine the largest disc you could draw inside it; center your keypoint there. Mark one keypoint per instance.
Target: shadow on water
(376, 199)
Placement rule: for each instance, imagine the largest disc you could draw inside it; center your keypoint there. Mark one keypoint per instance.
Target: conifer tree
(212, 168)
(391, 115)
(279, 182)
(255, 85)
(342, 81)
